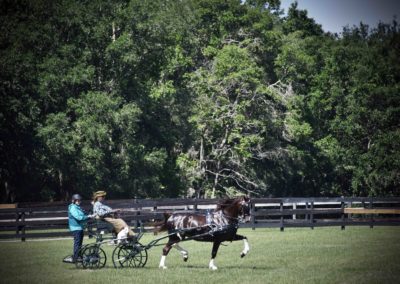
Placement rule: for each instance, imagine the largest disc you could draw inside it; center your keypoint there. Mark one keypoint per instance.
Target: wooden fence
(39, 220)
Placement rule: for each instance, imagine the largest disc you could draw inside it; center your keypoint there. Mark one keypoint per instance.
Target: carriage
(218, 226)
(128, 253)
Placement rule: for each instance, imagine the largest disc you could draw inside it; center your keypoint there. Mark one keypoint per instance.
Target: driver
(107, 214)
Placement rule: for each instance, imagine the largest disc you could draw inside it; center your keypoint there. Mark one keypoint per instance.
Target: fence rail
(38, 220)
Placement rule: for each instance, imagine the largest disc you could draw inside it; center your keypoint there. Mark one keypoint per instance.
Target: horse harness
(214, 228)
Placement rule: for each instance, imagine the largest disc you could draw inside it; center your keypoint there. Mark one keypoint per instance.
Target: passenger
(107, 214)
(77, 219)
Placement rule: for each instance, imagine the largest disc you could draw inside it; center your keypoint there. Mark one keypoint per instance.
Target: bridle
(244, 211)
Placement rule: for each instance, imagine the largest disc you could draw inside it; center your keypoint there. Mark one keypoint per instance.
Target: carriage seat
(103, 227)
(98, 228)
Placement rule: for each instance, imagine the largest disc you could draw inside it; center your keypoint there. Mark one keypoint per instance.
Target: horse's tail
(162, 225)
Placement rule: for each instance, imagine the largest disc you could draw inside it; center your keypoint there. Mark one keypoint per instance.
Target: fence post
(312, 215)
(307, 211)
(364, 216)
(17, 217)
(294, 206)
(135, 201)
(23, 227)
(342, 206)
(281, 209)
(155, 208)
(252, 210)
(371, 224)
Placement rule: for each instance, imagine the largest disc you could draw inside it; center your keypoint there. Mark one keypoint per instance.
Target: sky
(333, 15)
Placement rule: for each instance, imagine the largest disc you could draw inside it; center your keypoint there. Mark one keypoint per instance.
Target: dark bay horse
(217, 226)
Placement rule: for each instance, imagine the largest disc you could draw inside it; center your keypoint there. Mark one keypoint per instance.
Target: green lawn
(322, 255)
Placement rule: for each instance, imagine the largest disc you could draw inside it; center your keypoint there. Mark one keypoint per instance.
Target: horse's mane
(225, 203)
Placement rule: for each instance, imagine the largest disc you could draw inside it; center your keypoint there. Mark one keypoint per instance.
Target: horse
(216, 227)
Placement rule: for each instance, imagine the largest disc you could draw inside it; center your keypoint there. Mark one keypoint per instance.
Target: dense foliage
(156, 98)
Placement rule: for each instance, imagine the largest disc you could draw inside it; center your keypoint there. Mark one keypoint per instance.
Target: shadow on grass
(246, 267)
(197, 267)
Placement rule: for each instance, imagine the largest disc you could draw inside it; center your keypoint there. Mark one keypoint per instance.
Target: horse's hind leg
(182, 251)
(246, 248)
(213, 255)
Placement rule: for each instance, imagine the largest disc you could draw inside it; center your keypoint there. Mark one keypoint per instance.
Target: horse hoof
(162, 267)
(185, 258)
(242, 255)
(213, 267)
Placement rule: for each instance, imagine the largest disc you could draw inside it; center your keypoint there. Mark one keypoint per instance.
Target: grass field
(322, 255)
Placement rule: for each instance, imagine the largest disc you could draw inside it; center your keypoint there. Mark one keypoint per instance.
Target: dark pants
(78, 238)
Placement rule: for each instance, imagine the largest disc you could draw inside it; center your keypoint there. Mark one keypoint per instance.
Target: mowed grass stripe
(322, 255)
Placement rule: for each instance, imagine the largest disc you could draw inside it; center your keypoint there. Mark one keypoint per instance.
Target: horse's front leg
(165, 252)
(246, 248)
(213, 255)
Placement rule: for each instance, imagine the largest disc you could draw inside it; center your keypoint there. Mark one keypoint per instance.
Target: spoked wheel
(78, 262)
(129, 255)
(93, 257)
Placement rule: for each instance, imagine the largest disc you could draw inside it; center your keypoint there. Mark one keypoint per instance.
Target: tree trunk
(61, 185)
(9, 194)
(202, 155)
(113, 31)
(215, 180)
(202, 166)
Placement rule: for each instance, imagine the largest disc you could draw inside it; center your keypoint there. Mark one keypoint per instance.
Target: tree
(298, 20)
(237, 121)
(356, 108)
(92, 144)
(149, 98)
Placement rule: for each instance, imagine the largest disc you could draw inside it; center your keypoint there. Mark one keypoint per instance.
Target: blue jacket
(76, 218)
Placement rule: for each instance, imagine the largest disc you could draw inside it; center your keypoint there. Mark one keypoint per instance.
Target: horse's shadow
(196, 267)
(246, 267)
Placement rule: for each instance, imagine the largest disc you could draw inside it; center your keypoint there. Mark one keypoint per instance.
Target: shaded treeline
(194, 98)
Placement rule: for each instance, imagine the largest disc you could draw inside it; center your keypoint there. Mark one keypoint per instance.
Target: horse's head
(244, 210)
(236, 208)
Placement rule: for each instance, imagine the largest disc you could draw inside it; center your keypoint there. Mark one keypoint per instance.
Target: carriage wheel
(129, 255)
(93, 257)
(78, 264)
